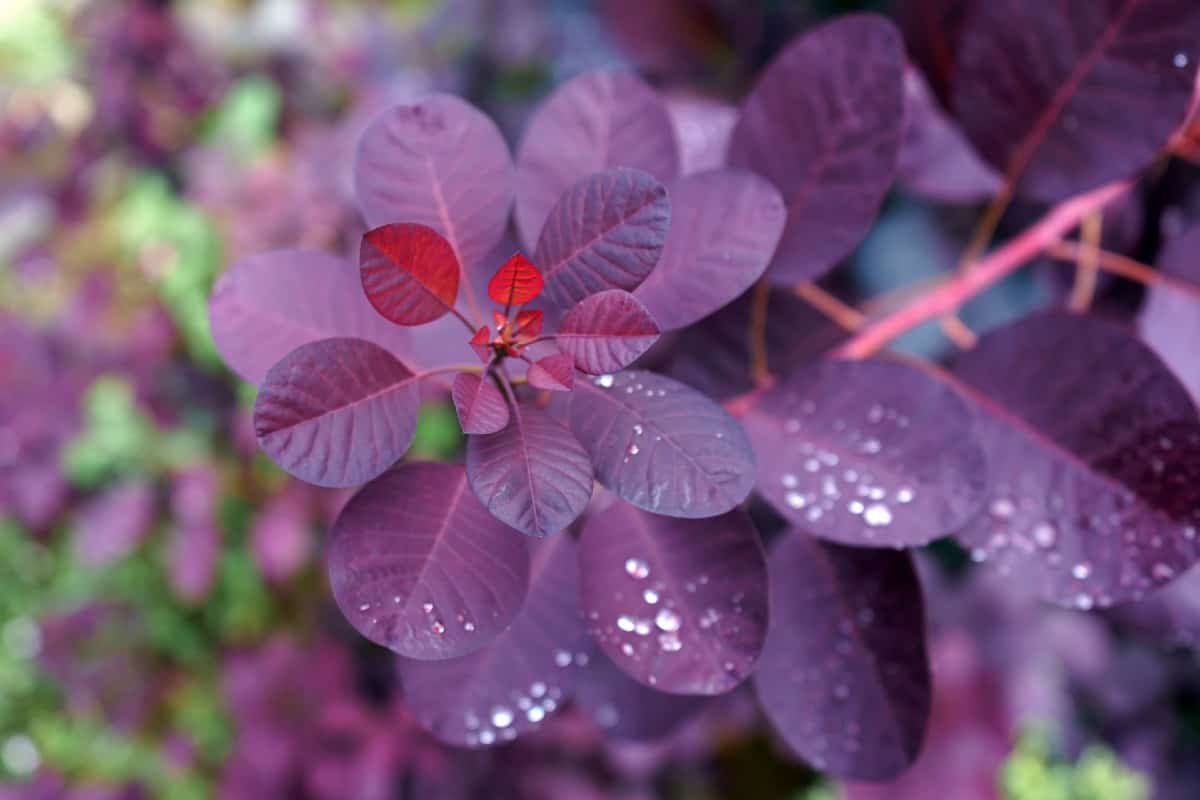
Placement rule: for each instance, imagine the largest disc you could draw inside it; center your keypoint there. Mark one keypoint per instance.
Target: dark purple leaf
(113, 523)
(554, 373)
(624, 708)
(936, 160)
(409, 273)
(337, 412)
(931, 31)
(725, 225)
(1094, 455)
(605, 232)
(871, 453)
(824, 123)
(844, 677)
(533, 475)
(1067, 96)
(595, 121)
(606, 332)
(679, 605)
(265, 306)
(417, 565)
(661, 445)
(438, 162)
(480, 405)
(522, 676)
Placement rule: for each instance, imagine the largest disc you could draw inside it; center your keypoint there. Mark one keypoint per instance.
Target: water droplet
(789, 481)
(642, 627)
(667, 620)
(606, 381)
(633, 450)
(855, 507)
(562, 658)
(625, 623)
(637, 429)
(1003, 508)
(812, 465)
(670, 642)
(627, 649)
(795, 500)
(1084, 602)
(501, 717)
(1081, 571)
(877, 515)
(536, 714)
(437, 627)
(841, 691)
(1045, 534)
(636, 568)
(365, 607)
(537, 689)
(1181, 60)
(487, 736)
(1162, 572)
(469, 626)
(871, 446)
(427, 608)
(905, 495)
(650, 596)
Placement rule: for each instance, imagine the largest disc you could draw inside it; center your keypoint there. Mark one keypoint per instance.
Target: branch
(843, 315)
(1126, 267)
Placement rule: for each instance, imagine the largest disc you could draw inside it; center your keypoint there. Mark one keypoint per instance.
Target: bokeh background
(165, 627)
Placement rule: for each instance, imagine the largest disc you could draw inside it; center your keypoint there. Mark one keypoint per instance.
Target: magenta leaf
(1094, 457)
(265, 306)
(662, 446)
(725, 225)
(626, 709)
(109, 526)
(871, 453)
(409, 273)
(439, 162)
(606, 232)
(521, 677)
(844, 677)
(337, 412)
(1066, 96)
(480, 405)
(554, 373)
(533, 475)
(417, 565)
(595, 121)
(606, 332)
(824, 123)
(679, 605)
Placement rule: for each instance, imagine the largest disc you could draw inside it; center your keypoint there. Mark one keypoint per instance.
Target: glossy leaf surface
(606, 332)
(517, 281)
(409, 273)
(481, 407)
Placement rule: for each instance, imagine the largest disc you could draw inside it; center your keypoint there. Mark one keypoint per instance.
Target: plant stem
(760, 371)
(1126, 267)
(966, 284)
(472, 368)
(1086, 267)
(842, 314)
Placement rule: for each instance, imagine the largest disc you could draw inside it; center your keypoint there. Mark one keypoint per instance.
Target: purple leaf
(1094, 457)
(626, 709)
(703, 128)
(931, 30)
(1067, 96)
(679, 605)
(662, 446)
(606, 332)
(417, 565)
(870, 453)
(480, 405)
(194, 543)
(281, 538)
(533, 475)
(438, 162)
(725, 225)
(824, 123)
(844, 677)
(595, 121)
(936, 160)
(337, 412)
(1169, 319)
(409, 273)
(113, 523)
(265, 306)
(605, 232)
(522, 676)
(554, 373)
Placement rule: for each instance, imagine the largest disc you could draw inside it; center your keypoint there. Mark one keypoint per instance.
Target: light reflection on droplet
(667, 620)
(501, 717)
(636, 568)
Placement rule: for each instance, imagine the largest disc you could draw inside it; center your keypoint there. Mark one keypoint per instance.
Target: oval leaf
(595, 121)
(480, 405)
(533, 475)
(844, 677)
(626, 709)
(525, 674)
(875, 453)
(337, 412)
(417, 565)
(606, 332)
(679, 605)
(824, 123)
(1101, 108)
(725, 225)
(438, 162)
(265, 306)
(1094, 457)
(553, 373)
(662, 446)
(517, 281)
(409, 273)
(606, 232)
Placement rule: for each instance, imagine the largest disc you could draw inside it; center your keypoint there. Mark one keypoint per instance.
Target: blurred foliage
(1033, 773)
(34, 46)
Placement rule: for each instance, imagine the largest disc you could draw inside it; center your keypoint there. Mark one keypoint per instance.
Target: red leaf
(480, 406)
(480, 343)
(409, 272)
(529, 323)
(554, 373)
(517, 281)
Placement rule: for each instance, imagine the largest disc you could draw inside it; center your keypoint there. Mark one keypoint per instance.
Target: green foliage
(247, 118)
(34, 48)
(1031, 773)
(438, 435)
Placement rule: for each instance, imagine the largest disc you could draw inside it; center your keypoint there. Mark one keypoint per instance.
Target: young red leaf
(679, 605)
(610, 119)
(824, 123)
(337, 412)
(1101, 108)
(439, 162)
(417, 565)
(554, 373)
(529, 323)
(533, 475)
(661, 445)
(481, 343)
(606, 332)
(480, 405)
(409, 272)
(844, 676)
(265, 306)
(524, 675)
(605, 232)
(517, 281)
